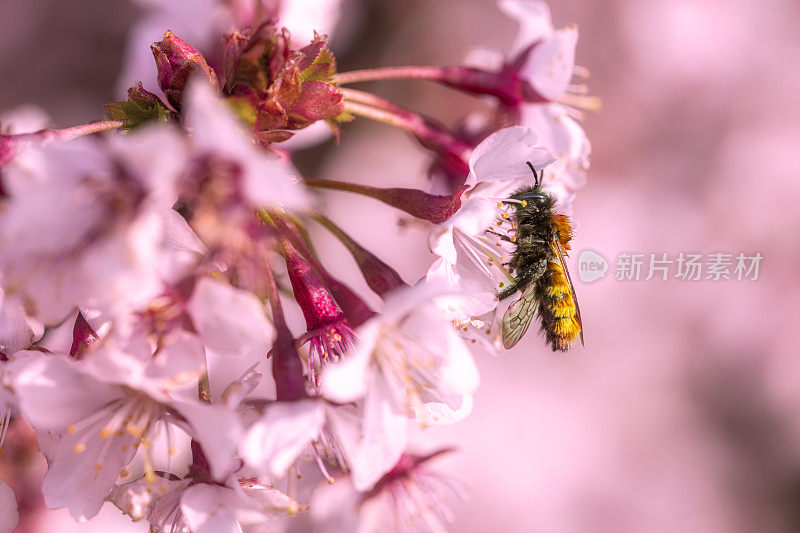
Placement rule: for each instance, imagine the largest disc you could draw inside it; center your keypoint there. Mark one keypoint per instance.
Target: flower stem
(389, 73)
(454, 152)
(287, 370)
(84, 129)
(380, 277)
(504, 85)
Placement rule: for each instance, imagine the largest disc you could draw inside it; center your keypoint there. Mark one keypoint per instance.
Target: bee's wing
(571, 286)
(518, 317)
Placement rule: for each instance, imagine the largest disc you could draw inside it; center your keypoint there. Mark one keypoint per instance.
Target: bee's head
(535, 197)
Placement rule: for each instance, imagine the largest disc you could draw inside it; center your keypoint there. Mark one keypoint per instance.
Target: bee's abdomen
(558, 312)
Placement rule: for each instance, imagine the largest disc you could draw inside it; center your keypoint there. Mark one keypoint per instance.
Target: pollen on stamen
(79, 448)
(71, 429)
(134, 431)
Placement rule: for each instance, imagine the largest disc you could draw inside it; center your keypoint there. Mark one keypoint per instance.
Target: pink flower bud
(83, 337)
(380, 277)
(435, 208)
(177, 61)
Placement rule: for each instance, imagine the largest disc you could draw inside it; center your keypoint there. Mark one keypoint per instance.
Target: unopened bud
(177, 62)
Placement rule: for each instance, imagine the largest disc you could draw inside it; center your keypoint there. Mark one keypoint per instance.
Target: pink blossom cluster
(147, 264)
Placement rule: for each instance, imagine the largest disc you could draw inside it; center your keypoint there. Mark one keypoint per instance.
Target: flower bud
(177, 61)
(83, 337)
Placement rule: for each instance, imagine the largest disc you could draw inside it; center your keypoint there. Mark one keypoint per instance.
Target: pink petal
(275, 441)
(230, 320)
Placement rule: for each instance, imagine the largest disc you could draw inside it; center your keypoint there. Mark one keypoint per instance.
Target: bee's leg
(504, 237)
(508, 291)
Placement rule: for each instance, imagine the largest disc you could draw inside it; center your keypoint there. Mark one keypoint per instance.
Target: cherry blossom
(470, 244)
(175, 505)
(84, 223)
(267, 179)
(409, 362)
(411, 497)
(100, 410)
(171, 324)
(547, 55)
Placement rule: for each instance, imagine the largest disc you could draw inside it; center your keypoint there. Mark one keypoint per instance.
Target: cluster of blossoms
(146, 262)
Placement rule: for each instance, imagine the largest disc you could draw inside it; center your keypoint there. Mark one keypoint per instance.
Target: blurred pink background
(682, 413)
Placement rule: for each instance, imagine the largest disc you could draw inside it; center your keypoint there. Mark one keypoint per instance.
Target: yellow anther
(71, 429)
(524, 203)
(79, 448)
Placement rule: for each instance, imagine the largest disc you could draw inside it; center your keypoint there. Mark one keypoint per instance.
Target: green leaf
(323, 68)
(134, 113)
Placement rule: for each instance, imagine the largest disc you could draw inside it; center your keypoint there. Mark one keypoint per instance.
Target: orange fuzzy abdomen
(558, 310)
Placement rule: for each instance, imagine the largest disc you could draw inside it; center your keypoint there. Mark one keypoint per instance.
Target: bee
(540, 272)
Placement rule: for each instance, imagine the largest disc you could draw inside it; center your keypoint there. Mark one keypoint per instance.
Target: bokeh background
(682, 413)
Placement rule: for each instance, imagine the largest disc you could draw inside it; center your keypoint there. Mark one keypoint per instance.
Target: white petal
(346, 380)
(268, 179)
(207, 509)
(385, 437)
(229, 320)
(17, 329)
(459, 375)
(503, 156)
(180, 360)
(551, 63)
(9, 513)
(81, 480)
(275, 441)
(473, 293)
(53, 392)
(436, 413)
(217, 429)
(333, 507)
(534, 21)
(157, 155)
